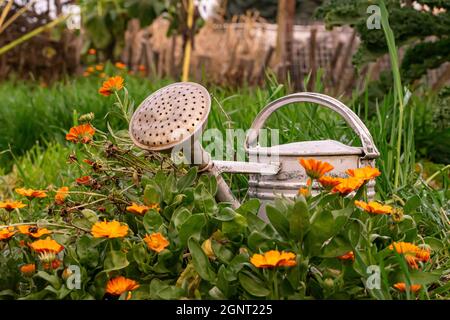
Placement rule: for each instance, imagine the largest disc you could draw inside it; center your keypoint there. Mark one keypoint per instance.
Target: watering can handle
(369, 148)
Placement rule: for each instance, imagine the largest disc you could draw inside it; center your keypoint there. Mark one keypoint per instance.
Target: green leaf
(115, 260)
(253, 285)
(180, 216)
(337, 247)
(225, 214)
(412, 204)
(90, 215)
(87, 251)
(152, 221)
(52, 279)
(298, 218)
(236, 227)
(249, 207)
(193, 226)
(278, 220)
(435, 244)
(201, 261)
(187, 180)
(152, 193)
(424, 278)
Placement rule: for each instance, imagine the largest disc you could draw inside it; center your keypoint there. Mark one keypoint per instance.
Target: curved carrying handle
(349, 116)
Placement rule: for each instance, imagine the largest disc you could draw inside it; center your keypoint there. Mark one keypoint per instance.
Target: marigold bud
(207, 248)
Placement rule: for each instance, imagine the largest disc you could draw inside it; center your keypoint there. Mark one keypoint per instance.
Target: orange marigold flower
(348, 256)
(304, 192)
(411, 252)
(92, 51)
(33, 231)
(28, 269)
(423, 255)
(86, 74)
(374, 207)
(156, 242)
(141, 210)
(315, 168)
(105, 229)
(10, 205)
(46, 246)
(111, 85)
(61, 195)
(6, 233)
(90, 69)
(119, 285)
(348, 185)
(31, 194)
(142, 68)
(401, 286)
(273, 258)
(366, 173)
(99, 67)
(329, 182)
(84, 181)
(120, 65)
(102, 75)
(82, 133)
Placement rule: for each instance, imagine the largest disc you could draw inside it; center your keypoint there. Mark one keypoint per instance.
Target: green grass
(31, 114)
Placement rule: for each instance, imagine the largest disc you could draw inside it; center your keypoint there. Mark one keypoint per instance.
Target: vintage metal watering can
(173, 117)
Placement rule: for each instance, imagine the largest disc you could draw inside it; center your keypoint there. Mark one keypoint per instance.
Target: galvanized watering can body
(291, 176)
(170, 119)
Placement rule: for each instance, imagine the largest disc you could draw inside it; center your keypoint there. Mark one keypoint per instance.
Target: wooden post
(188, 48)
(285, 35)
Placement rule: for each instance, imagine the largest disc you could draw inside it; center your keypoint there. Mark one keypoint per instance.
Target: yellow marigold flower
(6, 233)
(33, 231)
(61, 195)
(31, 194)
(90, 69)
(120, 65)
(315, 168)
(348, 185)
(366, 173)
(113, 229)
(329, 182)
(401, 286)
(10, 205)
(374, 207)
(82, 133)
(156, 242)
(273, 258)
(141, 209)
(348, 256)
(102, 75)
(111, 85)
(119, 285)
(46, 246)
(28, 269)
